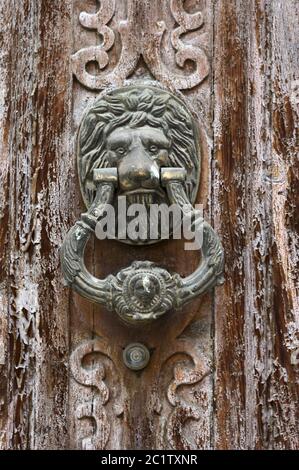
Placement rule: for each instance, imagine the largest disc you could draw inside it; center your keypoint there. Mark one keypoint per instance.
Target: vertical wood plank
(142, 425)
(284, 379)
(39, 124)
(5, 21)
(229, 201)
(257, 254)
(56, 186)
(256, 312)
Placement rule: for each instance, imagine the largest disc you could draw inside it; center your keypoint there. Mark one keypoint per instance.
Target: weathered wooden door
(223, 371)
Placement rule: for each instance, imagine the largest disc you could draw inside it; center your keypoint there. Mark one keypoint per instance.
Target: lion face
(139, 153)
(138, 130)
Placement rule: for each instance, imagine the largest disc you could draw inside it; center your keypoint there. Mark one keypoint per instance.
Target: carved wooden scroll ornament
(140, 35)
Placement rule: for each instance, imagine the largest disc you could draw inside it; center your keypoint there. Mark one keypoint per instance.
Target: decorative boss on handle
(140, 142)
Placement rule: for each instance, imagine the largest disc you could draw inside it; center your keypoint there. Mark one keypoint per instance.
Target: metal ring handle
(142, 291)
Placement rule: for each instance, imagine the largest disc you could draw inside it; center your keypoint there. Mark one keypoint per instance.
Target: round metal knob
(136, 356)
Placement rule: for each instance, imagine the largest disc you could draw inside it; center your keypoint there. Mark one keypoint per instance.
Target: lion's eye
(153, 148)
(120, 150)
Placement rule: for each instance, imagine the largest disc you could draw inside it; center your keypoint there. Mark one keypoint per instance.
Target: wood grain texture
(283, 383)
(37, 124)
(4, 211)
(142, 396)
(224, 371)
(256, 383)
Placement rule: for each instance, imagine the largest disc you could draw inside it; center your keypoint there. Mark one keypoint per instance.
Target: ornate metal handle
(142, 291)
(139, 141)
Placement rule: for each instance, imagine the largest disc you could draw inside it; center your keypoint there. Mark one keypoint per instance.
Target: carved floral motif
(143, 40)
(188, 366)
(172, 431)
(95, 408)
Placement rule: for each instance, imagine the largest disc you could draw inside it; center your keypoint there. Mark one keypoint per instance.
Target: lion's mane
(136, 107)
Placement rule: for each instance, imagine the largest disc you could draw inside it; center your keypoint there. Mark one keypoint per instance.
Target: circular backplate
(144, 106)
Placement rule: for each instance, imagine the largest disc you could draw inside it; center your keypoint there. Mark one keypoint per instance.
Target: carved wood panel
(223, 371)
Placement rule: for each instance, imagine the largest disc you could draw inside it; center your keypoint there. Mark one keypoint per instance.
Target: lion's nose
(138, 170)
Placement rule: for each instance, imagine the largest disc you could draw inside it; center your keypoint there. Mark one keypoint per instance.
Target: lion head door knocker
(139, 143)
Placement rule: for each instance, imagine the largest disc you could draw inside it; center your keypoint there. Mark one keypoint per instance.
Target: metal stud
(136, 356)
